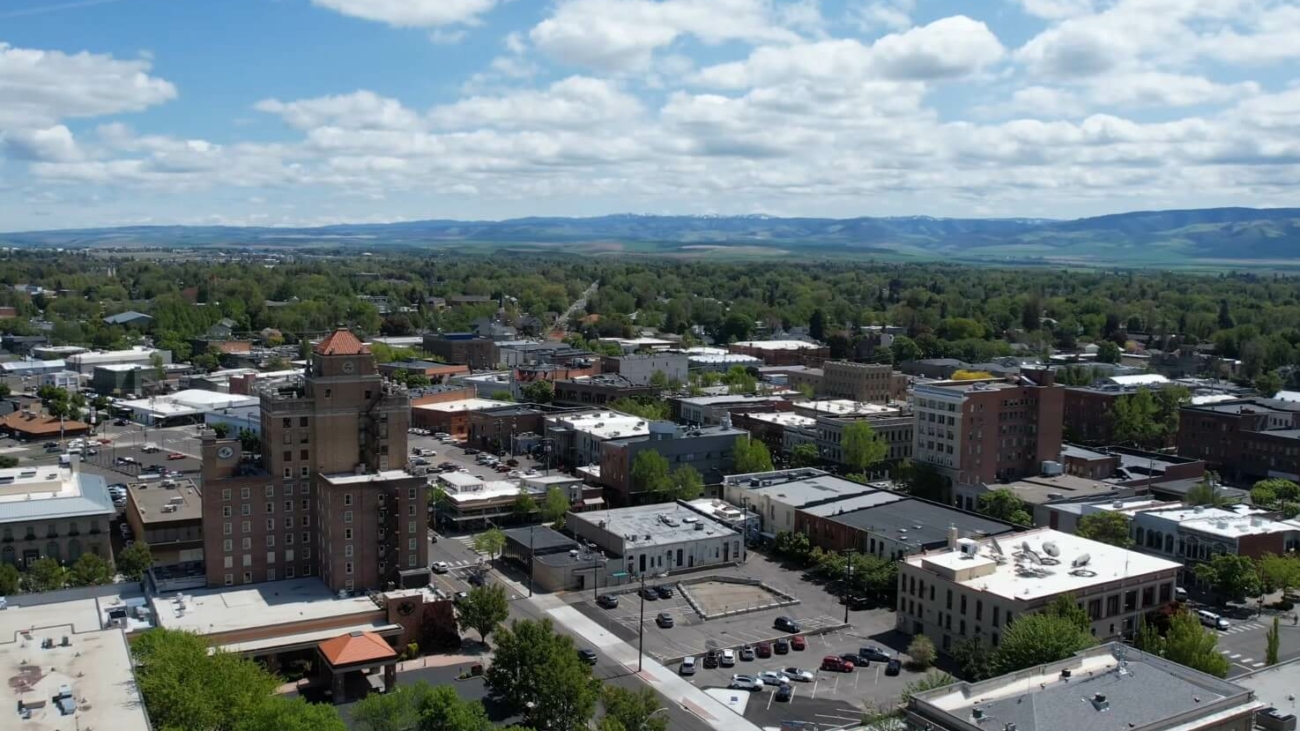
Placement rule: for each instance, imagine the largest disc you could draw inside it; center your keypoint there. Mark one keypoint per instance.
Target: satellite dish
(1051, 549)
(997, 548)
(1024, 546)
(1081, 561)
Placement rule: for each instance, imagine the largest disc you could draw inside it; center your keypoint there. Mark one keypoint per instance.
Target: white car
(728, 658)
(773, 677)
(531, 473)
(440, 567)
(745, 682)
(803, 676)
(688, 666)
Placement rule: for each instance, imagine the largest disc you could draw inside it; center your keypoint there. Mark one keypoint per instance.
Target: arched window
(52, 550)
(74, 549)
(8, 534)
(7, 555)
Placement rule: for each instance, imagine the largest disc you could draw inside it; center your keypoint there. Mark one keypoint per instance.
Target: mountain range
(1215, 237)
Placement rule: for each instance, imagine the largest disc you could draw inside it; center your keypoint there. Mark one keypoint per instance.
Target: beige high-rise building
(330, 495)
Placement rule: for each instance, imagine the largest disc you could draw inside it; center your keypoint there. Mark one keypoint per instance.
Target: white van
(688, 666)
(1210, 619)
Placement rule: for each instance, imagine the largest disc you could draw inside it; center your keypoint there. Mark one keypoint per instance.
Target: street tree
(904, 349)
(525, 505)
(863, 447)
(1106, 526)
(1279, 573)
(188, 688)
(975, 660)
(90, 570)
(805, 455)
(921, 651)
(1055, 633)
(1207, 492)
(221, 429)
(631, 710)
(1272, 641)
(1136, 418)
(1230, 576)
(538, 392)
(555, 507)
(483, 610)
(491, 541)
(1003, 504)
(134, 561)
(10, 580)
(752, 456)
(658, 380)
(538, 674)
(687, 483)
(1188, 643)
(45, 574)
(290, 714)
(396, 710)
(1107, 352)
(437, 496)
(650, 474)
(1274, 492)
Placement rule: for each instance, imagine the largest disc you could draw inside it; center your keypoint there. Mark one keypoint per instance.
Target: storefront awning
(593, 501)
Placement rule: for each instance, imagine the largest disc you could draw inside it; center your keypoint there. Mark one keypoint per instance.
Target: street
(1245, 643)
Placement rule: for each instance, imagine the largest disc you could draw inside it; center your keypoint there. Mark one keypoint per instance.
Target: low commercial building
(893, 426)
(778, 496)
(1064, 515)
(1249, 439)
(121, 379)
(29, 426)
(771, 427)
(633, 345)
(437, 373)
(599, 390)
(890, 525)
(85, 363)
(577, 437)
(32, 368)
(462, 348)
(711, 410)
(710, 451)
(719, 360)
(1111, 687)
(450, 417)
(783, 352)
(976, 587)
(168, 515)
(842, 379)
(498, 429)
(471, 502)
(640, 369)
(182, 407)
(1129, 466)
(657, 538)
(1041, 490)
(52, 511)
(1194, 534)
(528, 374)
(515, 353)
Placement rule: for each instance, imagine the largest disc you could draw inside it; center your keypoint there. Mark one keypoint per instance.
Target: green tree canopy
(555, 507)
(1279, 573)
(484, 609)
(1107, 526)
(863, 448)
(632, 710)
(1055, 633)
(491, 541)
(805, 455)
(540, 391)
(1232, 577)
(134, 561)
(538, 674)
(90, 570)
(650, 474)
(1187, 643)
(1003, 504)
(10, 579)
(752, 456)
(687, 483)
(45, 574)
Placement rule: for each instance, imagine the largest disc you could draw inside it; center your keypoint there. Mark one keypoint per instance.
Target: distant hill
(1223, 235)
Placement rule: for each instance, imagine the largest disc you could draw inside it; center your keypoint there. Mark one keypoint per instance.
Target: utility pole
(848, 583)
(595, 574)
(640, 644)
(530, 559)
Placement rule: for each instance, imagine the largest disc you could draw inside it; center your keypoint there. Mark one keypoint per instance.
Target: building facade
(868, 382)
(1248, 438)
(599, 390)
(641, 368)
(462, 349)
(329, 496)
(52, 511)
(711, 451)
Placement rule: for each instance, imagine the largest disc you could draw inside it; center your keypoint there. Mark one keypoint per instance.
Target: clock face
(349, 366)
(406, 609)
(225, 452)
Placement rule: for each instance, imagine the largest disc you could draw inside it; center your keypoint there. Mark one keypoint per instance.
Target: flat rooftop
(1042, 489)
(1224, 522)
(1101, 694)
(845, 507)
(456, 407)
(49, 491)
(228, 609)
(1017, 575)
(728, 399)
(652, 525)
(1275, 686)
(845, 407)
(777, 345)
(782, 418)
(158, 504)
(604, 424)
(815, 488)
(351, 479)
(919, 523)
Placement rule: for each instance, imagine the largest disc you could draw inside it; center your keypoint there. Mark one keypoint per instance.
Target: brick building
(437, 373)
(783, 352)
(599, 390)
(463, 348)
(1247, 439)
(989, 430)
(640, 368)
(329, 495)
(842, 379)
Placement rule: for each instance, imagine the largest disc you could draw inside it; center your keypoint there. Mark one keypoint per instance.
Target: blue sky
(303, 112)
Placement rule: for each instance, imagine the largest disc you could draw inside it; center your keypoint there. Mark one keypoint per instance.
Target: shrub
(922, 652)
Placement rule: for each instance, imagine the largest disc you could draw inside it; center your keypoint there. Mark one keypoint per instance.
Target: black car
(664, 620)
(664, 591)
(857, 660)
(588, 656)
(711, 659)
(874, 653)
(470, 450)
(608, 601)
(649, 593)
(476, 579)
(893, 667)
(119, 422)
(785, 624)
(784, 692)
(782, 646)
(421, 462)
(48, 445)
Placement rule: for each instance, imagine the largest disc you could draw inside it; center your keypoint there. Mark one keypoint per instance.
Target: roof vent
(1065, 674)
(1099, 702)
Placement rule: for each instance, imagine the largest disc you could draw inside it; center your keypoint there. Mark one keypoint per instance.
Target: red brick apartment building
(981, 432)
(330, 496)
(1248, 439)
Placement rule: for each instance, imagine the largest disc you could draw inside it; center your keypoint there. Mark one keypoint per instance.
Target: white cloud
(358, 110)
(577, 101)
(624, 34)
(1157, 89)
(444, 37)
(871, 16)
(38, 88)
(412, 13)
(51, 144)
(1056, 9)
(946, 48)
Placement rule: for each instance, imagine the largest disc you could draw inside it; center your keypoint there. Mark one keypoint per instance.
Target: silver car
(773, 677)
(745, 682)
(803, 676)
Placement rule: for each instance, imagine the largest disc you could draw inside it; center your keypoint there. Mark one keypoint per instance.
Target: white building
(721, 361)
(69, 381)
(710, 410)
(183, 407)
(778, 496)
(976, 588)
(139, 355)
(578, 436)
(657, 538)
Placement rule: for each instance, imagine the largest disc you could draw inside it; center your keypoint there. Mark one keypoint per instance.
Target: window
(410, 510)
(288, 455)
(306, 471)
(347, 498)
(410, 544)
(979, 610)
(225, 511)
(270, 556)
(347, 534)
(996, 611)
(410, 526)
(347, 569)
(246, 544)
(245, 509)
(288, 572)
(247, 559)
(1094, 609)
(306, 521)
(225, 494)
(270, 490)
(963, 606)
(347, 516)
(270, 574)
(227, 545)
(949, 606)
(270, 523)
(229, 562)
(288, 539)
(302, 504)
(306, 537)
(306, 552)
(270, 508)
(246, 526)
(287, 422)
(248, 577)
(410, 560)
(288, 489)
(288, 555)
(270, 541)
(288, 506)
(347, 551)
(288, 473)
(288, 522)
(226, 529)
(244, 493)
(1112, 605)
(410, 493)
(302, 453)
(230, 579)
(302, 421)
(328, 391)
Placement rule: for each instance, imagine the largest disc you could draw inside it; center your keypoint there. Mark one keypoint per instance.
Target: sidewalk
(666, 682)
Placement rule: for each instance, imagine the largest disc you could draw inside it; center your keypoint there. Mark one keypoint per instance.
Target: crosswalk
(468, 542)
(1237, 658)
(1240, 628)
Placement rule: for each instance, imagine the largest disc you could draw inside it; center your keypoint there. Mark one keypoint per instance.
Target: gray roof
(857, 502)
(819, 489)
(541, 538)
(926, 523)
(123, 318)
(93, 500)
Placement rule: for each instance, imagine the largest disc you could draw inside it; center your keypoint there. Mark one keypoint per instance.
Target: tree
(1040, 638)
(1002, 504)
(134, 561)
(540, 391)
(538, 674)
(250, 442)
(1273, 492)
(10, 580)
(91, 570)
(650, 474)
(1206, 492)
(491, 542)
(805, 455)
(483, 610)
(502, 396)
(1107, 526)
(687, 483)
(1190, 644)
(1230, 576)
(817, 326)
(221, 429)
(631, 710)
(658, 380)
(863, 448)
(933, 680)
(1272, 642)
(186, 688)
(45, 574)
(1065, 607)
(904, 349)
(291, 714)
(752, 456)
(793, 545)
(396, 710)
(964, 375)
(974, 660)
(921, 651)
(1279, 573)
(1136, 418)
(1107, 352)
(7, 461)
(555, 507)
(525, 505)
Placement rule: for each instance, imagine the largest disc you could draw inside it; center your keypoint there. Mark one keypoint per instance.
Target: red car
(798, 643)
(838, 664)
(175, 455)
(764, 649)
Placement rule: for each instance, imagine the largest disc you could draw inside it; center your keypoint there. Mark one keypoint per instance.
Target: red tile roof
(356, 648)
(341, 342)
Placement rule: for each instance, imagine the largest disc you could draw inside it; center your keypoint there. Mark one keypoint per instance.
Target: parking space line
(814, 690)
(770, 696)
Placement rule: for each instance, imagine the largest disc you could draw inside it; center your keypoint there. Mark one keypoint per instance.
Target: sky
(308, 112)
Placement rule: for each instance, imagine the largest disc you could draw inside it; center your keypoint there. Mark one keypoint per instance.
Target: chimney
(952, 537)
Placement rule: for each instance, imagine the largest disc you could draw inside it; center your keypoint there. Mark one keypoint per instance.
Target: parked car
(836, 664)
(798, 643)
(745, 682)
(782, 646)
(588, 656)
(470, 450)
(871, 652)
(608, 601)
(48, 445)
(440, 567)
(894, 667)
(175, 455)
(857, 660)
(803, 676)
(747, 653)
(90, 451)
(785, 624)
(476, 579)
(664, 620)
(421, 462)
(784, 693)
(773, 677)
(649, 594)
(688, 666)
(763, 649)
(460, 597)
(711, 659)
(502, 468)
(512, 462)
(1210, 619)
(664, 591)
(728, 658)
(120, 422)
